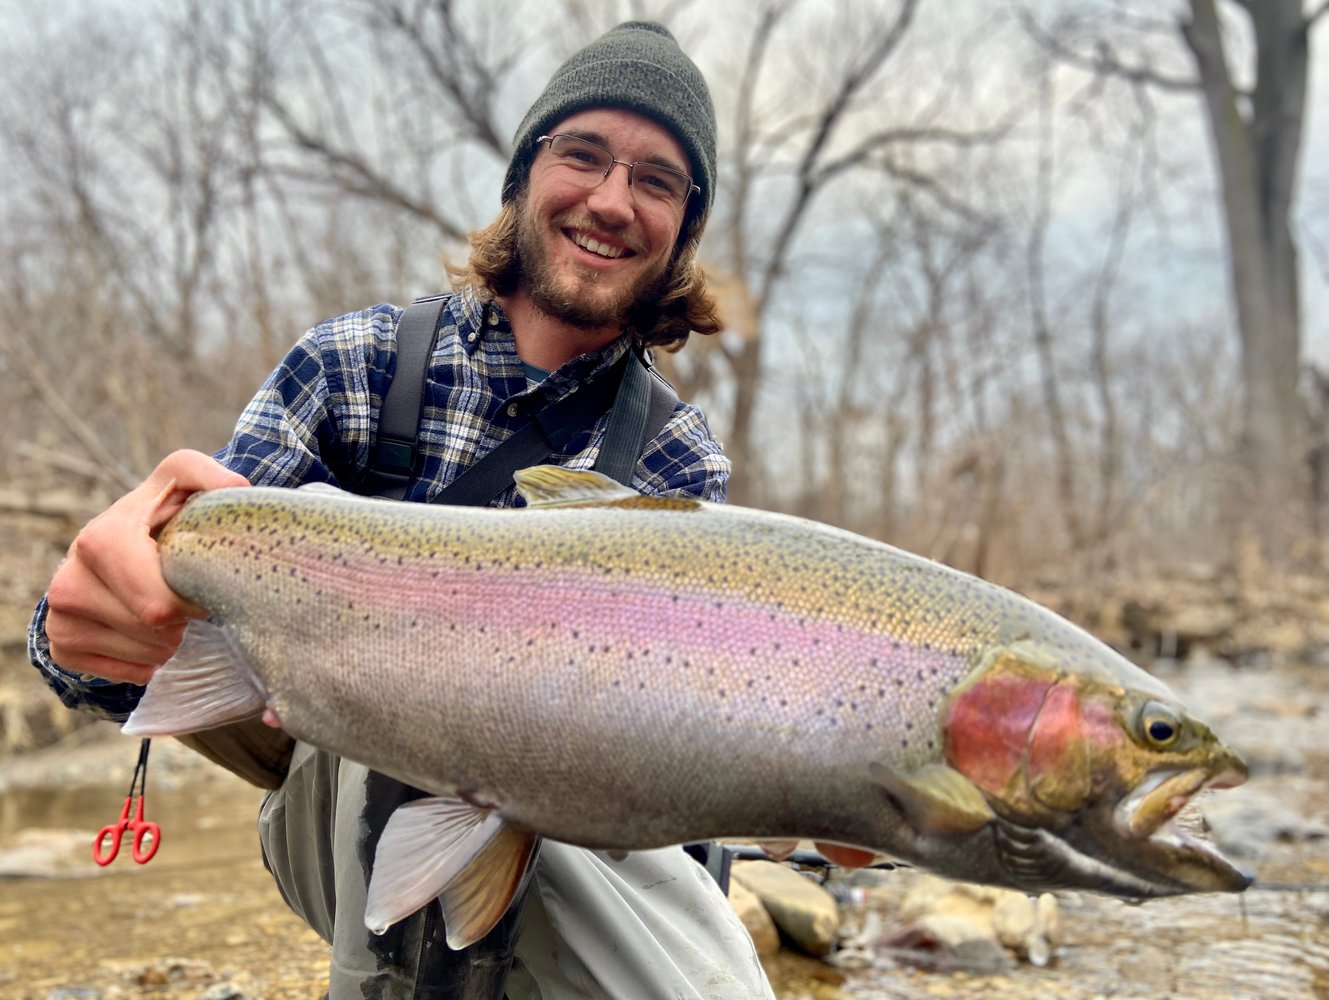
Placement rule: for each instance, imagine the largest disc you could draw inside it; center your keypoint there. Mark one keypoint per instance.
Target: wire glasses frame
(664, 184)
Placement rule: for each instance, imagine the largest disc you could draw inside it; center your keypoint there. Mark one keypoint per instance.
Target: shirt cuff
(110, 700)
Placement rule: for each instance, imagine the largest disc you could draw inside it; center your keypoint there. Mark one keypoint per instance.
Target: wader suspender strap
(392, 459)
(642, 405)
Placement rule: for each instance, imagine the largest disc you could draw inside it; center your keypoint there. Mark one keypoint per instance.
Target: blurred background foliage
(1033, 288)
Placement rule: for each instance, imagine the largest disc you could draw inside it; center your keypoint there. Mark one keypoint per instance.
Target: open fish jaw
(1176, 856)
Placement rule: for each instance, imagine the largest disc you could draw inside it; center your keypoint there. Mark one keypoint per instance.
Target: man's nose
(612, 198)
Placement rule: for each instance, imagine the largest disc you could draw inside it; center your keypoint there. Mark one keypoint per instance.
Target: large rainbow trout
(624, 672)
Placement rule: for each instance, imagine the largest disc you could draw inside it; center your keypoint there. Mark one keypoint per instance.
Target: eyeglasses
(658, 184)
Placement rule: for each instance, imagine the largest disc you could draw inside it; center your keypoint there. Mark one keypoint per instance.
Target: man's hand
(111, 614)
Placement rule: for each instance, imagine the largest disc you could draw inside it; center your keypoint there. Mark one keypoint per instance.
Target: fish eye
(1160, 724)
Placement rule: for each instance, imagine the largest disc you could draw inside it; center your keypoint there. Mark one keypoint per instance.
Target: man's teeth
(598, 248)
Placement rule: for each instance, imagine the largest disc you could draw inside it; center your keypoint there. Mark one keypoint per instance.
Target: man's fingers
(110, 611)
(81, 645)
(96, 665)
(113, 574)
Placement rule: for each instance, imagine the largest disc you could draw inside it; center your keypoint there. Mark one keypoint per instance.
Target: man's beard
(588, 301)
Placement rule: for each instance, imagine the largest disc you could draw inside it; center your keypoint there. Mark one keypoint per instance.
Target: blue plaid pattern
(313, 420)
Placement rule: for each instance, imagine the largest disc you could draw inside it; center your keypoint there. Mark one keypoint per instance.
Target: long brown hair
(682, 305)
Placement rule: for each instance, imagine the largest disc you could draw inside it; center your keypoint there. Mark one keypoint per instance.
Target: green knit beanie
(637, 66)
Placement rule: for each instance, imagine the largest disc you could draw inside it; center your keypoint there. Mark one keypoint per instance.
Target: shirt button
(513, 409)
(471, 338)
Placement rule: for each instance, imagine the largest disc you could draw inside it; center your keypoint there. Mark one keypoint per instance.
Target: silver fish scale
(539, 659)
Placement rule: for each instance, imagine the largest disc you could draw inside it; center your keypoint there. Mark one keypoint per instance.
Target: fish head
(1091, 776)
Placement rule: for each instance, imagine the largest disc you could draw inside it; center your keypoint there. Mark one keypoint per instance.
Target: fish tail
(206, 684)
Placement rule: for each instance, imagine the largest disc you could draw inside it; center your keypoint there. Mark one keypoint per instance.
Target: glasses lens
(580, 154)
(660, 182)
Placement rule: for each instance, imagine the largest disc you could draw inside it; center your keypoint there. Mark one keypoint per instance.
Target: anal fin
(444, 847)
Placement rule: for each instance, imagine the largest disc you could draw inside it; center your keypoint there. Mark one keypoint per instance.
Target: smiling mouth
(596, 247)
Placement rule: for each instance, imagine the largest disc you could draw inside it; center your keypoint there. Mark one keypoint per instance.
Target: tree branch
(1104, 61)
(359, 177)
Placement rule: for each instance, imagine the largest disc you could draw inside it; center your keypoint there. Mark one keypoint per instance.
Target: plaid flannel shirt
(313, 420)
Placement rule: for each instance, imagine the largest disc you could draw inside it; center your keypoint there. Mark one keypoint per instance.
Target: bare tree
(1257, 134)
(786, 159)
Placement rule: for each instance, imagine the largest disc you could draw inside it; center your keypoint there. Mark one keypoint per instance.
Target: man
(591, 257)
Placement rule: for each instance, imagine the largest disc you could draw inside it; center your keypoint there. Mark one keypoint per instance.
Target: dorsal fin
(554, 486)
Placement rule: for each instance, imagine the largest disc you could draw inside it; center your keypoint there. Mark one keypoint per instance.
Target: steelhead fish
(624, 672)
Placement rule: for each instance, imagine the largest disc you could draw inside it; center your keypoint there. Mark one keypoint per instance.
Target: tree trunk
(1257, 154)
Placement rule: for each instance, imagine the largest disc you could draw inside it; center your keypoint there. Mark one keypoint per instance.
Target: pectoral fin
(205, 685)
(446, 847)
(936, 800)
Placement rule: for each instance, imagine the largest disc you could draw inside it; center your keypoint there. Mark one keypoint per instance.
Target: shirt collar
(479, 320)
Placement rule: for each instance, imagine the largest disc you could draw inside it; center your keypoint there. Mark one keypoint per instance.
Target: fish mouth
(1165, 795)
(1154, 843)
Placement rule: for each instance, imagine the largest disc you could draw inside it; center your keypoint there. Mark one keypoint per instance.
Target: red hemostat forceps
(143, 831)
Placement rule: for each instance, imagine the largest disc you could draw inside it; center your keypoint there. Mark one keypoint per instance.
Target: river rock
(805, 912)
(955, 941)
(750, 910)
(953, 917)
